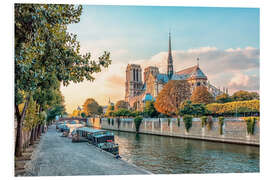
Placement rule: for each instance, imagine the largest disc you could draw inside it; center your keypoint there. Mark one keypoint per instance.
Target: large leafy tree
(91, 107)
(189, 108)
(121, 104)
(149, 109)
(46, 52)
(201, 95)
(171, 96)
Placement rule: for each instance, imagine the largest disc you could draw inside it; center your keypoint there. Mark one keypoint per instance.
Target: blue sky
(144, 29)
(225, 39)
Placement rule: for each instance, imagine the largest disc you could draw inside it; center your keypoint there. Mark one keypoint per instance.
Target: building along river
(169, 155)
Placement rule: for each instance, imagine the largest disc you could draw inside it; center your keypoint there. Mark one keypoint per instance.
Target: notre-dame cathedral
(138, 91)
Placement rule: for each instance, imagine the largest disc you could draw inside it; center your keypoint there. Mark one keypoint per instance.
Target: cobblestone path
(58, 156)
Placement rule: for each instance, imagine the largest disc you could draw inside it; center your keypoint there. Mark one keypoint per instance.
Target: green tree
(44, 50)
(171, 96)
(223, 98)
(91, 107)
(149, 109)
(83, 115)
(189, 108)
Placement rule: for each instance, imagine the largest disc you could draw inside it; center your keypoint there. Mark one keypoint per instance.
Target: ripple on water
(167, 155)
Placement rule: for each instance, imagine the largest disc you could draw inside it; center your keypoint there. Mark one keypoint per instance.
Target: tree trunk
(20, 119)
(32, 137)
(39, 130)
(35, 133)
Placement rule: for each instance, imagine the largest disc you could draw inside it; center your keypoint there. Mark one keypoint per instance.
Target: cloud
(223, 67)
(115, 80)
(232, 68)
(244, 82)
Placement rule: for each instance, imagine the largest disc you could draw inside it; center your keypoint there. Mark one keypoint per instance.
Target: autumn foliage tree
(171, 96)
(244, 95)
(201, 95)
(121, 105)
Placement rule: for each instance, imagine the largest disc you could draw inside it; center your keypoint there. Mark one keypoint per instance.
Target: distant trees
(171, 96)
(231, 108)
(121, 105)
(201, 95)
(223, 98)
(245, 95)
(194, 109)
(91, 107)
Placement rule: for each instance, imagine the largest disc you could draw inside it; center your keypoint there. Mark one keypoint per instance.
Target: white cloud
(233, 68)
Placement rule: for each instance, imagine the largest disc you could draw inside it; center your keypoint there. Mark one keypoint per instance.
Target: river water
(168, 155)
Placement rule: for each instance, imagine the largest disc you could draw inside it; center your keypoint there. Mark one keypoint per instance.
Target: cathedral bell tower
(170, 60)
(134, 82)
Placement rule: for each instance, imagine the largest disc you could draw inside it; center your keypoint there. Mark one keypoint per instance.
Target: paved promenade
(58, 156)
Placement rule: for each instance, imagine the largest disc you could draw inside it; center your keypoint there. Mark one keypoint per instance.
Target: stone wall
(234, 131)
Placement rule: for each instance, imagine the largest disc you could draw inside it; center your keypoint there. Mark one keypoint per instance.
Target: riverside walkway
(58, 156)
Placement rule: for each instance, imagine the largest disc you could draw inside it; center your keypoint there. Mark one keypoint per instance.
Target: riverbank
(233, 131)
(58, 156)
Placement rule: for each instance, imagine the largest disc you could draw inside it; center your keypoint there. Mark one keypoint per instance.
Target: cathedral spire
(170, 60)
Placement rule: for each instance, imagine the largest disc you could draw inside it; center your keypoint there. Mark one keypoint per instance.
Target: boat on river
(100, 138)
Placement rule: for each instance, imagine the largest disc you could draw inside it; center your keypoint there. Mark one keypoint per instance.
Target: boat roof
(90, 130)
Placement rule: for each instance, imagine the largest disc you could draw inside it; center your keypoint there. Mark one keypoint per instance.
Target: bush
(209, 123)
(251, 121)
(220, 122)
(112, 122)
(109, 121)
(204, 121)
(169, 121)
(137, 122)
(188, 121)
(178, 122)
(118, 122)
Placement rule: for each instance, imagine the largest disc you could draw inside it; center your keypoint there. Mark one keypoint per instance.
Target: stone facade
(154, 81)
(234, 131)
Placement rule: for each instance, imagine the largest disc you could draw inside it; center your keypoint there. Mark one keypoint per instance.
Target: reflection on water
(167, 155)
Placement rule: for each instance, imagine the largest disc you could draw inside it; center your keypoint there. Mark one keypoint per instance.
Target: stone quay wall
(234, 131)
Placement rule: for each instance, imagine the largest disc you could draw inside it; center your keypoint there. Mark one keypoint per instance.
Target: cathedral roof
(162, 77)
(193, 71)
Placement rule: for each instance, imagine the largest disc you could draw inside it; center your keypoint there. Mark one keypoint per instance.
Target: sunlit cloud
(232, 68)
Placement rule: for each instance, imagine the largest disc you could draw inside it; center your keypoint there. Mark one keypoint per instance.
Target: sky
(225, 39)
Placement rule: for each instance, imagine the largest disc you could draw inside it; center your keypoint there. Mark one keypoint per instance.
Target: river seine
(169, 155)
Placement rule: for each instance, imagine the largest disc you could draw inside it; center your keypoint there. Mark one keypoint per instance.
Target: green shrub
(112, 122)
(250, 124)
(178, 122)
(169, 121)
(137, 122)
(220, 122)
(209, 123)
(188, 121)
(109, 121)
(118, 122)
(204, 120)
